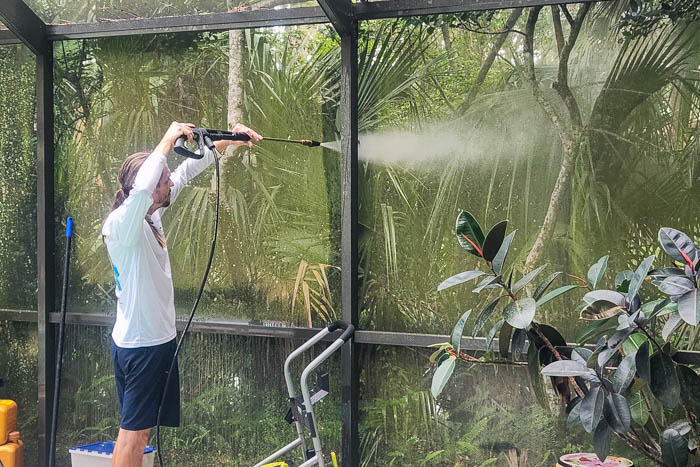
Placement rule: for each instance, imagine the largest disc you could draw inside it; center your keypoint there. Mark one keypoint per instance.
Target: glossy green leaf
(624, 375)
(638, 408)
(487, 282)
(617, 413)
(581, 355)
(601, 309)
(494, 240)
(682, 426)
(517, 343)
(690, 384)
(689, 307)
(566, 368)
(608, 295)
(641, 361)
(484, 316)
(605, 355)
(601, 440)
(456, 339)
(659, 307)
(662, 273)
(442, 375)
(676, 285)
(592, 408)
(492, 333)
(536, 382)
(542, 288)
(674, 449)
(596, 272)
(459, 279)
(601, 345)
(500, 259)
(677, 245)
(632, 344)
(527, 278)
(555, 293)
(574, 417)
(467, 226)
(671, 325)
(639, 275)
(616, 340)
(664, 382)
(504, 340)
(520, 314)
(624, 321)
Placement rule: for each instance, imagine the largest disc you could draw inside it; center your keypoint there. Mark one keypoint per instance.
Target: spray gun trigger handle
(198, 134)
(180, 149)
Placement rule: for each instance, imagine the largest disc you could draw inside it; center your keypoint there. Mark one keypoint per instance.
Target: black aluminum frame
(26, 27)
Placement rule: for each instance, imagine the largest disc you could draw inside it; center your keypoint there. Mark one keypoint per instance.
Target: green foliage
(643, 16)
(639, 100)
(605, 404)
(17, 178)
(518, 312)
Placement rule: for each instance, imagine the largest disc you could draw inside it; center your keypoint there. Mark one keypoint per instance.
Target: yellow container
(8, 419)
(276, 464)
(12, 454)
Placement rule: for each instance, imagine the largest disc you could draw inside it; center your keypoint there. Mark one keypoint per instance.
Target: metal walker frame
(301, 412)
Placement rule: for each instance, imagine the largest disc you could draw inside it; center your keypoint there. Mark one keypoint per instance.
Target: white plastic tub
(100, 455)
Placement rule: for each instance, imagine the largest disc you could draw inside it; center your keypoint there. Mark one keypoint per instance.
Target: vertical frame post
(45, 244)
(349, 241)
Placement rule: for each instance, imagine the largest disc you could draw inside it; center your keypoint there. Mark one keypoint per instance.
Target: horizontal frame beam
(272, 330)
(402, 8)
(359, 11)
(189, 23)
(7, 37)
(24, 24)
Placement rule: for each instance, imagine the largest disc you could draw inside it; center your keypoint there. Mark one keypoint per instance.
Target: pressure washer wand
(205, 137)
(306, 142)
(216, 135)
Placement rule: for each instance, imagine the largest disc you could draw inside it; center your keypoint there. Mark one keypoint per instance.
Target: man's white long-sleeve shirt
(144, 285)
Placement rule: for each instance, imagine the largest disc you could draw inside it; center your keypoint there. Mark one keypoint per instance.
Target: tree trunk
(570, 132)
(236, 47)
(570, 145)
(488, 62)
(445, 29)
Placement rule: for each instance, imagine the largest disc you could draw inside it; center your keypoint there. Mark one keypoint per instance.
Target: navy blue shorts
(140, 374)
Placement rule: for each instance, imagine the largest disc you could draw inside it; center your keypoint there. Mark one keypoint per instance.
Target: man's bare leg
(128, 450)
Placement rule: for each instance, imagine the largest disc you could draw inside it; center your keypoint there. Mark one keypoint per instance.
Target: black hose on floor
(194, 308)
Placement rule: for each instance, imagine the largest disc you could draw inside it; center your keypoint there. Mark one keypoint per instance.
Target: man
(143, 338)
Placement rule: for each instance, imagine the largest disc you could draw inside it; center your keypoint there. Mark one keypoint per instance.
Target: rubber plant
(630, 383)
